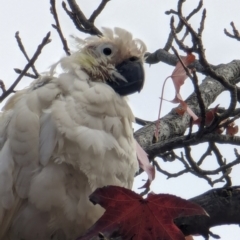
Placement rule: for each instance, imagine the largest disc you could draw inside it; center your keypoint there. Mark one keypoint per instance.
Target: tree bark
(174, 125)
(222, 205)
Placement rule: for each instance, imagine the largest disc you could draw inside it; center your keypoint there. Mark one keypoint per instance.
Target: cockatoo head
(114, 58)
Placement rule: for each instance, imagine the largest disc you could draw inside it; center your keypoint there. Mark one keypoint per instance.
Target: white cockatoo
(66, 135)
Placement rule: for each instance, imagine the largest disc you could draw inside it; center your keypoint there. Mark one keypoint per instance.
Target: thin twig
(196, 10)
(179, 28)
(185, 35)
(2, 86)
(221, 163)
(142, 122)
(196, 170)
(209, 172)
(98, 11)
(202, 22)
(182, 63)
(203, 157)
(58, 27)
(79, 19)
(10, 90)
(201, 103)
(20, 44)
(169, 175)
(190, 128)
(235, 34)
(19, 71)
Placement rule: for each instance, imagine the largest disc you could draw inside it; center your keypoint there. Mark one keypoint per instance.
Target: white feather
(6, 177)
(48, 138)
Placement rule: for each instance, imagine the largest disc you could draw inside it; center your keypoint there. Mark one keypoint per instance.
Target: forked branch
(30, 63)
(80, 20)
(235, 33)
(58, 27)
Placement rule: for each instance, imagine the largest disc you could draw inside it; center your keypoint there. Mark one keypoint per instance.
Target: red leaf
(145, 165)
(185, 107)
(136, 218)
(209, 117)
(231, 129)
(179, 74)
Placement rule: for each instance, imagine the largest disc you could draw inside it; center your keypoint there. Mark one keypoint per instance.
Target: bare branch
(79, 19)
(58, 27)
(141, 121)
(201, 103)
(202, 22)
(179, 28)
(222, 204)
(220, 161)
(19, 41)
(170, 175)
(235, 34)
(10, 90)
(162, 55)
(179, 142)
(196, 10)
(19, 71)
(2, 86)
(98, 11)
(190, 166)
(196, 170)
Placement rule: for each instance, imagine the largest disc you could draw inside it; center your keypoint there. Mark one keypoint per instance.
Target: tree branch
(19, 41)
(79, 19)
(173, 125)
(98, 11)
(10, 90)
(222, 205)
(235, 34)
(58, 27)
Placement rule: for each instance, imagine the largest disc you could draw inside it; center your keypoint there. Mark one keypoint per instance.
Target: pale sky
(147, 20)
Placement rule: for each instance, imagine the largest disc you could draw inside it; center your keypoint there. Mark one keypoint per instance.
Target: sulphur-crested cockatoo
(66, 135)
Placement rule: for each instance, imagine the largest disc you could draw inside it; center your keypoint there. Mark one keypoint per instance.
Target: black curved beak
(132, 70)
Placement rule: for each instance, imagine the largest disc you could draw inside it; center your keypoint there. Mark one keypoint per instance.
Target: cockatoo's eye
(107, 51)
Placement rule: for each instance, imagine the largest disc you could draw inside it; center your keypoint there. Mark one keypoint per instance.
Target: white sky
(146, 19)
